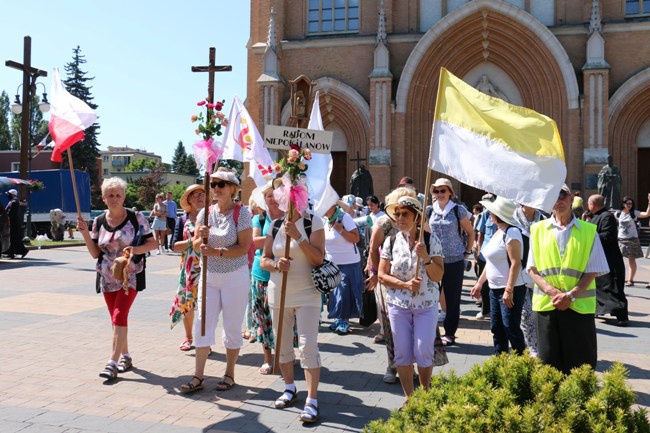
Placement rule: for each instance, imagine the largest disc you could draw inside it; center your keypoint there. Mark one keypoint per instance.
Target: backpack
(140, 279)
(526, 246)
(460, 229)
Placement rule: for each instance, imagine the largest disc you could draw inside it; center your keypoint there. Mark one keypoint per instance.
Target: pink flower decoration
(211, 106)
(299, 197)
(225, 122)
(294, 154)
(194, 117)
(277, 167)
(307, 154)
(197, 132)
(201, 103)
(301, 165)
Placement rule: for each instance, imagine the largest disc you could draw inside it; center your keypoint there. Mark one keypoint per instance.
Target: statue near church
(609, 184)
(361, 183)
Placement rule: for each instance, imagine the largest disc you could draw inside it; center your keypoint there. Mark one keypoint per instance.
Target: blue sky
(140, 53)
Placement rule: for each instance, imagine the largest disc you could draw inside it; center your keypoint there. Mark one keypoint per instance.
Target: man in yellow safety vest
(565, 257)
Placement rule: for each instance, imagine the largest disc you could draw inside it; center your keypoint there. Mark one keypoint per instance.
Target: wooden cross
(211, 69)
(358, 159)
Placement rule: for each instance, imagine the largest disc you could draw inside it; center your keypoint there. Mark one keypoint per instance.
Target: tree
(86, 152)
(149, 186)
(179, 158)
(140, 165)
(5, 131)
(189, 166)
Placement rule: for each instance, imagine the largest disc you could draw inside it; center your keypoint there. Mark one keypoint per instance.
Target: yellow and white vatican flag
(495, 146)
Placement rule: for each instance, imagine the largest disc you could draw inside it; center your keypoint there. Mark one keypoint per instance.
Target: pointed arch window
(333, 16)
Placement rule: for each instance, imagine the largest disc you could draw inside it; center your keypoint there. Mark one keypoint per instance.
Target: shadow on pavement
(634, 372)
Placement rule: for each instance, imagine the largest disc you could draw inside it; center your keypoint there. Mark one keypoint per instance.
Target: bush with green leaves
(518, 394)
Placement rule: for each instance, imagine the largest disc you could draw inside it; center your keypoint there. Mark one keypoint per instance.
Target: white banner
(281, 137)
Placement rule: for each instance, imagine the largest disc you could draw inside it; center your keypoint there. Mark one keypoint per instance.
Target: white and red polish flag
(70, 117)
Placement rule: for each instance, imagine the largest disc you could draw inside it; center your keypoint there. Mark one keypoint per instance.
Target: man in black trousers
(610, 288)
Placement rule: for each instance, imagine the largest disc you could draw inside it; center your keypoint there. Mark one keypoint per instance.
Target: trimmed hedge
(518, 394)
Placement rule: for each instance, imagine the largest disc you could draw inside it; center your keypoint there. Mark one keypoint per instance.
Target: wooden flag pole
(204, 258)
(283, 290)
(74, 183)
(423, 216)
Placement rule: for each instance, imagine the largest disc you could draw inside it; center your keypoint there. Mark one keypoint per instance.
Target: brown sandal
(189, 387)
(225, 386)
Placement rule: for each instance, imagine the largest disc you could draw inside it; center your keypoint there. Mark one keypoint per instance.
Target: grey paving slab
(51, 383)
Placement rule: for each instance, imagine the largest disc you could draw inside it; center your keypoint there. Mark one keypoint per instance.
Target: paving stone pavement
(56, 339)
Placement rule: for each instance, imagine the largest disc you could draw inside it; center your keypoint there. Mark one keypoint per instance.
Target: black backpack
(526, 246)
(140, 280)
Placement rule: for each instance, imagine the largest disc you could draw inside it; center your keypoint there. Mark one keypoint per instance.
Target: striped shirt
(597, 261)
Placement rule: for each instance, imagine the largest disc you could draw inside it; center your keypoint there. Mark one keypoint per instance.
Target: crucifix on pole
(210, 69)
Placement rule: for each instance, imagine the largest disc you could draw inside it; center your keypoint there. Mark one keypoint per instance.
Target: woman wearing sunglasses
(412, 298)
(229, 235)
(628, 235)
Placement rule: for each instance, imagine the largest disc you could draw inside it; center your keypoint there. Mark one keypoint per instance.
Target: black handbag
(368, 309)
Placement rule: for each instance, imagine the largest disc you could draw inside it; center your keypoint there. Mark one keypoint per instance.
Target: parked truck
(56, 194)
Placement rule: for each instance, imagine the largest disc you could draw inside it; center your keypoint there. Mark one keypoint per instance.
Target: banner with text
(282, 137)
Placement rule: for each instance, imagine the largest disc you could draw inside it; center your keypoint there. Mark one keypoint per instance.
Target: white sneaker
(480, 316)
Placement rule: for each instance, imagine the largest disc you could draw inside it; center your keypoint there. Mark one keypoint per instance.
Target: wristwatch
(428, 262)
(573, 298)
(467, 253)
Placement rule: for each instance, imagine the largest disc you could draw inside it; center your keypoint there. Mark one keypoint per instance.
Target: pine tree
(179, 158)
(86, 152)
(189, 166)
(5, 112)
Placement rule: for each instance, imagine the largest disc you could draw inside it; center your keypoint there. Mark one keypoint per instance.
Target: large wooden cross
(211, 69)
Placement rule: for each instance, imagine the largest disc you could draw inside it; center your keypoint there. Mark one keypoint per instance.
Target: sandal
(246, 334)
(448, 340)
(266, 369)
(189, 387)
(109, 372)
(186, 345)
(225, 386)
(629, 283)
(283, 401)
(125, 364)
(307, 417)
(390, 376)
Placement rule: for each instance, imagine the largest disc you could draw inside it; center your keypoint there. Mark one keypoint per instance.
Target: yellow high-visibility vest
(563, 272)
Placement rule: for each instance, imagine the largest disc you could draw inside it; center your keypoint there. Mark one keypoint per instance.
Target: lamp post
(30, 75)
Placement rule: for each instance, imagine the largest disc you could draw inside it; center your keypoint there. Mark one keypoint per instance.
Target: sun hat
(226, 174)
(503, 208)
(187, 207)
(444, 182)
(258, 195)
(12, 192)
(409, 202)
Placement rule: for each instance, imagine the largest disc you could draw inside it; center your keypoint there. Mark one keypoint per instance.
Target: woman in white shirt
(628, 235)
(341, 237)
(503, 255)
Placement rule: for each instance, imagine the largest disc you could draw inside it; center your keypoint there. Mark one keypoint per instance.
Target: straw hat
(187, 207)
(503, 208)
(226, 174)
(409, 202)
(258, 195)
(444, 182)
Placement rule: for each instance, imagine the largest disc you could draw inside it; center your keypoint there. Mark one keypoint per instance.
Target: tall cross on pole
(358, 159)
(211, 69)
(30, 75)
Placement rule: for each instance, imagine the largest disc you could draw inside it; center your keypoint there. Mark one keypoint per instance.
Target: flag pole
(204, 258)
(74, 183)
(283, 290)
(423, 215)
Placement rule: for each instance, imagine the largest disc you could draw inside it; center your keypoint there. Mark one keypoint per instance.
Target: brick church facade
(584, 63)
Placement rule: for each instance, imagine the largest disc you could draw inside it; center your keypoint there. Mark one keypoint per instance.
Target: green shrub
(518, 394)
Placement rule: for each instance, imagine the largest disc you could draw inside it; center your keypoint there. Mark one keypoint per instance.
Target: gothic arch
(513, 40)
(341, 104)
(629, 110)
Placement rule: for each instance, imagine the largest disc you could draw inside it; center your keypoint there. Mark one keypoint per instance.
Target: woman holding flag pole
(297, 247)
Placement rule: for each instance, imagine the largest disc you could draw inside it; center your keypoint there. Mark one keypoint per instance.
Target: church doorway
(339, 178)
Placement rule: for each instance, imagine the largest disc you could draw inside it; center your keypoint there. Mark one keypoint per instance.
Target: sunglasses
(629, 202)
(563, 194)
(220, 184)
(439, 191)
